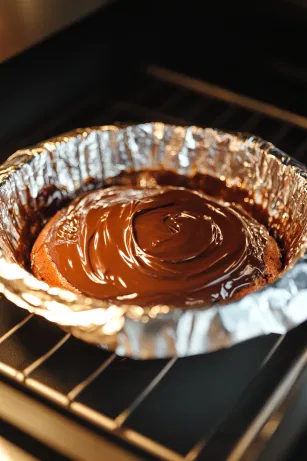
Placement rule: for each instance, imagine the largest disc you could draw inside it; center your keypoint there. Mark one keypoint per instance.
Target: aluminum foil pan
(35, 182)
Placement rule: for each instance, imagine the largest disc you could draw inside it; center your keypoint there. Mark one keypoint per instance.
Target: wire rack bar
(273, 350)
(269, 411)
(15, 328)
(81, 386)
(104, 422)
(126, 413)
(225, 95)
(11, 372)
(199, 446)
(116, 425)
(12, 452)
(58, 432)
(129, 435)
(150, 446)
(46, 391)
(29, 369)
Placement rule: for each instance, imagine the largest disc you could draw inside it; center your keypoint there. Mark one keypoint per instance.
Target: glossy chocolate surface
(168, 245)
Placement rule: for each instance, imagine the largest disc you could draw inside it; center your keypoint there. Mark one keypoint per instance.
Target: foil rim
(92, 319)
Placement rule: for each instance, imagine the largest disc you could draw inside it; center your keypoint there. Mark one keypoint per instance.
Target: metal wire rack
(225, 401)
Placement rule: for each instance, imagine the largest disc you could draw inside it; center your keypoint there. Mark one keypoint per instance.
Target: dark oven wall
(254, 48)
(59, 84)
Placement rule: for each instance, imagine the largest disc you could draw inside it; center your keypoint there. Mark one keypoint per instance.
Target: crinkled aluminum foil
(33, 182)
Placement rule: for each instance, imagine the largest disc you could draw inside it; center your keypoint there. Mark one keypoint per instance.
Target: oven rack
(166, 96)
(264, 421)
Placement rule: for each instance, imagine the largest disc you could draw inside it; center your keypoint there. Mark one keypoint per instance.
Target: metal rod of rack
(108, 424)
(227, 95)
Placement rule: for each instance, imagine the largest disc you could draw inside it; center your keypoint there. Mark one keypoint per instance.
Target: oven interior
(63, 399)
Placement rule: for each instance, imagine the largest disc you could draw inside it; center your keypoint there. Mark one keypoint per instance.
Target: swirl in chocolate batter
(162, 245)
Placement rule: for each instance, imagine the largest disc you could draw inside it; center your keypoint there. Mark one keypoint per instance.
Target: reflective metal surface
(26, 22)
(38, 179)
(10, 452)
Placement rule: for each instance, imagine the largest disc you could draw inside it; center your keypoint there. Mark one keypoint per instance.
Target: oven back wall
(56, 86)
(44, 90)
(253, 48)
